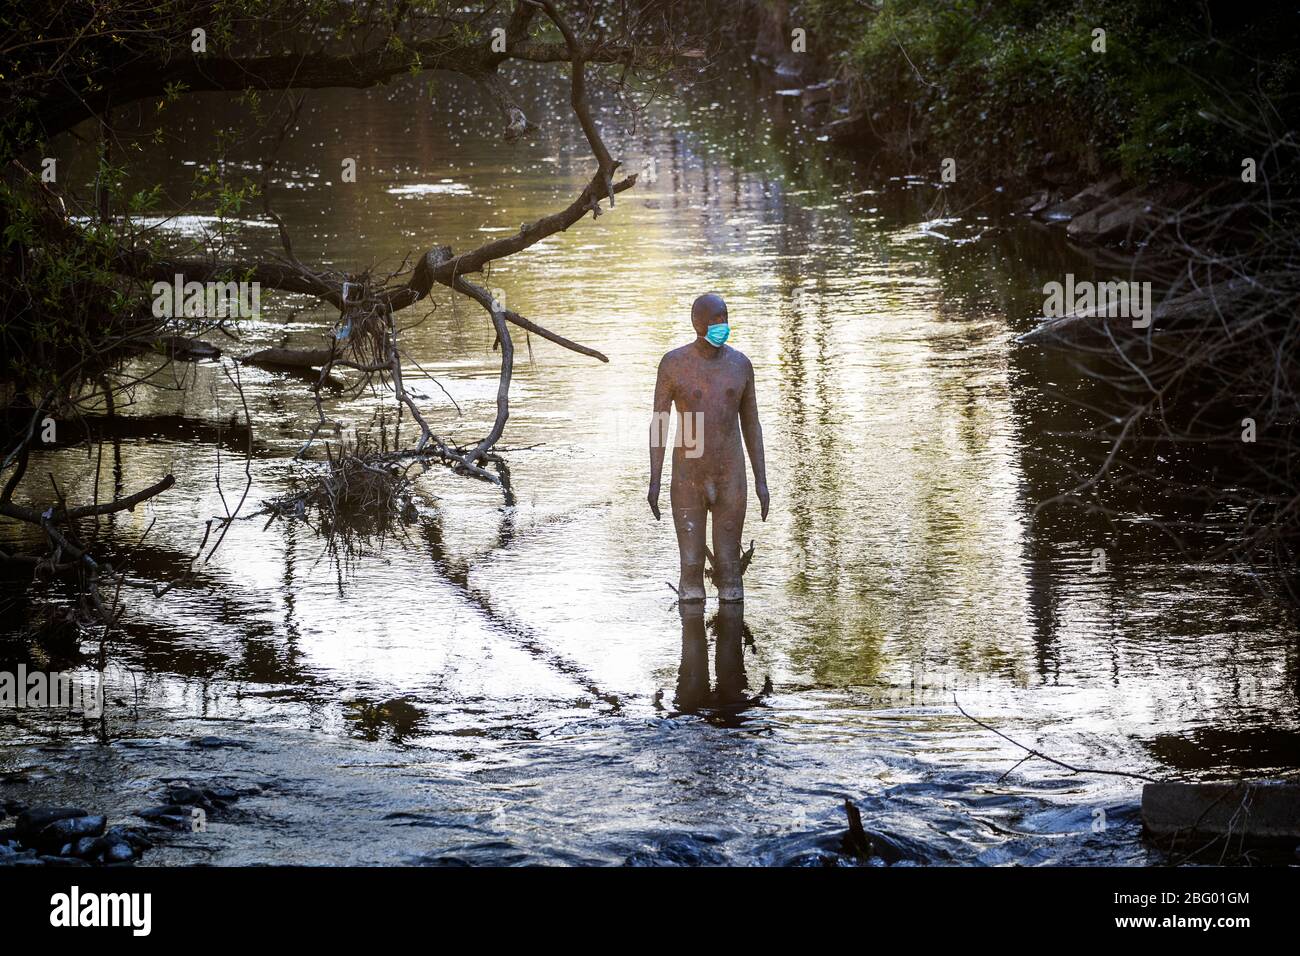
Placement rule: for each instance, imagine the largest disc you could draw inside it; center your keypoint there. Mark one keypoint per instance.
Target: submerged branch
(1042, 756)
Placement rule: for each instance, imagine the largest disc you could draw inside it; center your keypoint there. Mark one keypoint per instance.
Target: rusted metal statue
(712, 386)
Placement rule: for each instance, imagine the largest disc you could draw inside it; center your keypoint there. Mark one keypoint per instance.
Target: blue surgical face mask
(717, 334)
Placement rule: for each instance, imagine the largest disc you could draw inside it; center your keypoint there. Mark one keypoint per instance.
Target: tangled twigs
(1042, 756)
(354, 496)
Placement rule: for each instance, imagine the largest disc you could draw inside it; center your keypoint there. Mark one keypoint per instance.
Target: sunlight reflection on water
(535, 649)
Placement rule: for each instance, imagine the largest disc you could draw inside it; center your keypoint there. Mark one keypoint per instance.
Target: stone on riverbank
(1265, 811)
(1191, 309)
(172, 815)
(1133, 215)
(50, 828)
(1088, 198)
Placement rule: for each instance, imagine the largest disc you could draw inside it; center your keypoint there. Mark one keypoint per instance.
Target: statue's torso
(707, 393)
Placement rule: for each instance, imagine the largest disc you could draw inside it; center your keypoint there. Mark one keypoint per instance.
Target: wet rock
(53, 828)
(1130, 221)
(119, 844)
(1134, 215)
(168, 815)
(132, 836)
(67, 832)
(1119, 214)
(62, 861)
(120, 852)
(1037, 201)
(213, 743)
(87, 847)
(188, 797)
(31, 822)
(182, 796)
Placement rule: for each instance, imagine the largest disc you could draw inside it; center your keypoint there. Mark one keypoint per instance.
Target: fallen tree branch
(128, 503)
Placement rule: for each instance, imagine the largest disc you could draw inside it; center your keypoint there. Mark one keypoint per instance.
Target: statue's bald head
(709, 309)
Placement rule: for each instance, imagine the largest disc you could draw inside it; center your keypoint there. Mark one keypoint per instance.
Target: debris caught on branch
(356, 495)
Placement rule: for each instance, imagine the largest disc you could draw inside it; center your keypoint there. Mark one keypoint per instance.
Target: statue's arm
(752, 430)
(660, 421)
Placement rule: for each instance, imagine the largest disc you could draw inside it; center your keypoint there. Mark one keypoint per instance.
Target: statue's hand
(653, 498)
(763, 497)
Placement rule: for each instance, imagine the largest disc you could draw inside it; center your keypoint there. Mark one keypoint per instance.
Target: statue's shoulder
(739, 358)
(674, 357)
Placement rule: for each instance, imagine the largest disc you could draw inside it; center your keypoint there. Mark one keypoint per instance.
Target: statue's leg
(728, 526)
(689, 517)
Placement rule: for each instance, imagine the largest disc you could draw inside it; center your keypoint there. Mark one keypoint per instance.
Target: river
(514, 683)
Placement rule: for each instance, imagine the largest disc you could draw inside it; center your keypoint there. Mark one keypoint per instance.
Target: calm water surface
(515, 683)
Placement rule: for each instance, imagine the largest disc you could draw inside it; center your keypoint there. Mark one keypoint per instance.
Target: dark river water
(515, 684)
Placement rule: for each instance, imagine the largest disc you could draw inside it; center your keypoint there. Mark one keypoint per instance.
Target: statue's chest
(720, 390)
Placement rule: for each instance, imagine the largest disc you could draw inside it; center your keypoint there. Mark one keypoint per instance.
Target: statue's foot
(732, 593)
(688, 592)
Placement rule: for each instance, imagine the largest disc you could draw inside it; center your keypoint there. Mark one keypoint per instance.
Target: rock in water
(68, 831)
(33, 821)
(168, 815)
(188, 796)
(119, 853)
(87, 847)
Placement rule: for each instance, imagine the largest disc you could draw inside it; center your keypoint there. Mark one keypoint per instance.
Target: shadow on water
(725, 701)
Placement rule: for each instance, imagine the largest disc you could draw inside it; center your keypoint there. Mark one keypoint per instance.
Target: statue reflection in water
(728, 697)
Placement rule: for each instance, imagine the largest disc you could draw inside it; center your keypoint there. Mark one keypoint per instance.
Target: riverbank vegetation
(1134, 86)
